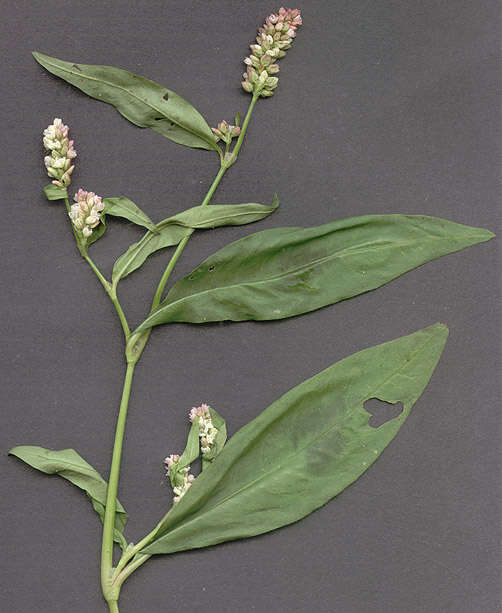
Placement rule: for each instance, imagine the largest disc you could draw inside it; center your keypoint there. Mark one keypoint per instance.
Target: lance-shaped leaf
(123, 207)
(141, 101)
(151, 242)
(288, 271)
(68, 464)
(172, 230)
(54, 192)
(215, 215)
(304, 449)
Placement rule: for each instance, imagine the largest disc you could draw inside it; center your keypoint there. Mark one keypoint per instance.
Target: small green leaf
(304, 449)
(54, 192)
(141, 101)
(284, 272)
(219, 441)
(172, 230)
(123, 207)
(69, 465)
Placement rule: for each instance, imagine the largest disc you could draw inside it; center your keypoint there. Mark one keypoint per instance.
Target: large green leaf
(170, 231)
(288, 271)
(69, 465)
(141, 101)
(304, 449)
(123, 207)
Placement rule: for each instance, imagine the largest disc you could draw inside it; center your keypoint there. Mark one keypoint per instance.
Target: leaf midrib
(279, 466)
(113, 85)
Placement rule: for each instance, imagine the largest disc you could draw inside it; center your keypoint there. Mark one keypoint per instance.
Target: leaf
(172, 230)
(137, 253)
(288, 271)
(123, 207)
(139, 100)
(54, 192)
(190, 454)
(69, 465)
(304, 449)
(219, 441)
(214, 215)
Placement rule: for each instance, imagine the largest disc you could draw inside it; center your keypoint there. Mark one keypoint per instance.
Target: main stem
(110, 594)
(112, 579)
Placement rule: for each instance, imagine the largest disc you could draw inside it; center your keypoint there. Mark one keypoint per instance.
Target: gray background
(382, 107)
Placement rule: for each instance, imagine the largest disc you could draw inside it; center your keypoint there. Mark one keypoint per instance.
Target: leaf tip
(275, 201)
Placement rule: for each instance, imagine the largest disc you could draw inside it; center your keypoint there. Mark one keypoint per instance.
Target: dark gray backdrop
(383, 107)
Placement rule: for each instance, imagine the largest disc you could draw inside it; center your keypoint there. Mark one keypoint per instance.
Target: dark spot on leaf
(191, 278)
(77, 67)
(159, 118)
(211, 268)
(381, 412)
(166, 96)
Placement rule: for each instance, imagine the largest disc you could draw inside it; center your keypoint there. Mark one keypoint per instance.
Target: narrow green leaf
(54, 192)
(135, 256)
(189, 455)
(219, 441)
(141, 101)
(68, 464)
(171, 231)
(215, 215)
(123, 207)
(288, 271)
(304, 449)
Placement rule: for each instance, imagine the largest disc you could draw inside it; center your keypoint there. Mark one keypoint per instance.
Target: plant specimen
(316, 439)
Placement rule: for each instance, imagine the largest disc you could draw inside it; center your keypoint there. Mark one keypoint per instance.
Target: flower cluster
(226, 132)
(181, 480)
(58, 162)
(85, 214)
(207, 431)
(274, 38)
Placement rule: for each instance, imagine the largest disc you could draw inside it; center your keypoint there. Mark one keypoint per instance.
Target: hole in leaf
(166, 96)
(381, 412)
(159, 118)
(211, 268)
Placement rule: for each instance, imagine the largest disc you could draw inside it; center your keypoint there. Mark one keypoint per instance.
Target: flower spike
(274, 38)
(85, 214)
(58, 162)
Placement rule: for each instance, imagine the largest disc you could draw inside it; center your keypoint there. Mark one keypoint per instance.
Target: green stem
(112, 293)
(111, 496)
(238, 144)
(132, 560)
(109, 289)
(228, 160)
(129, 569)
